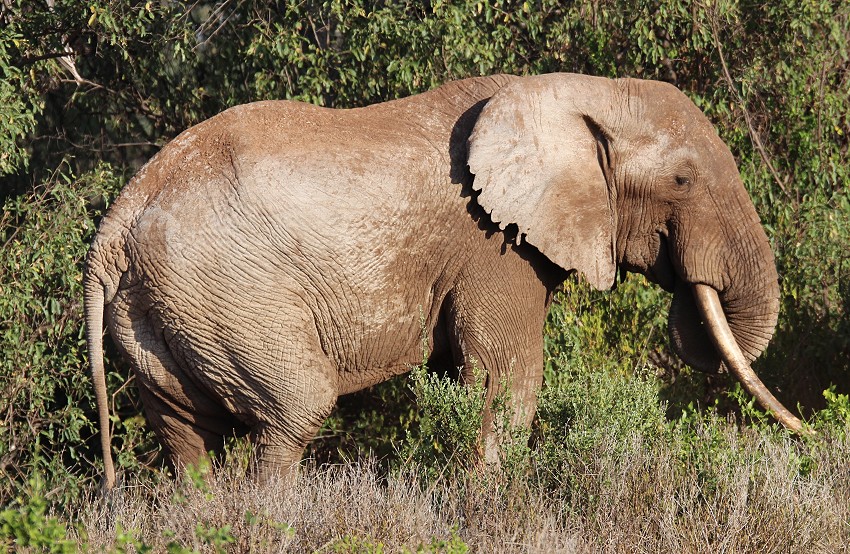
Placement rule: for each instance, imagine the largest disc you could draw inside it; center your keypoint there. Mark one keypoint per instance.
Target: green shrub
(835, 418)
(371, 423)
(591, 413)
(450, 418)
(26, 524)
(46, 398)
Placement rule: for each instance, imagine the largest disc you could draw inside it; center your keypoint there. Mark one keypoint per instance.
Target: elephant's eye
(683, 182)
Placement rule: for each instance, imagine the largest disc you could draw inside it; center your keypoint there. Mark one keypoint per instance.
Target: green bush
(446, 441)
(835, 417)
(26, 524)
(588, 415)
(46, 398)
(350, 432)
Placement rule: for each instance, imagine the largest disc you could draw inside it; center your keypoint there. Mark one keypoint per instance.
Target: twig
(753, 133)
(27, 60)
(215, 15)
(115, 394)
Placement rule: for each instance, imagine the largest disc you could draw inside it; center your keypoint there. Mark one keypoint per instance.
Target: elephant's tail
(106, 264)
(94, 300)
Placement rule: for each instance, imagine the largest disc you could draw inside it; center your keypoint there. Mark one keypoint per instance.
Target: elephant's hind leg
(295, 388)
(185, 442)
(279, 444)
(188, 424)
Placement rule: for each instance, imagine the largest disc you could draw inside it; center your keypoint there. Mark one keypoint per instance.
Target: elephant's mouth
(658, 267)
(651, 256)
(662, 270)
(688, 335)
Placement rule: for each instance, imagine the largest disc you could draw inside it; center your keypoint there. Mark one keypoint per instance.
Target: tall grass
(699, 483)
(728, 492)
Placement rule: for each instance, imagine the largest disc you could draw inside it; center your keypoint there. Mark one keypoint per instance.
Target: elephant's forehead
(681, 129)
(668, 108)
(675, 125)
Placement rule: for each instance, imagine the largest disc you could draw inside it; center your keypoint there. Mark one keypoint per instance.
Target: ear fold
(539, 161)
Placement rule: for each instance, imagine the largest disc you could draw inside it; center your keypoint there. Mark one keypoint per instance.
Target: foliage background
(90, 90)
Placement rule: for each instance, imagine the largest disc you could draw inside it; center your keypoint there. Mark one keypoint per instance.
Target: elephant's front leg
(506, 346)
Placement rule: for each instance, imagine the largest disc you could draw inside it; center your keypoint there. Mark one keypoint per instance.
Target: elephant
(280, 254)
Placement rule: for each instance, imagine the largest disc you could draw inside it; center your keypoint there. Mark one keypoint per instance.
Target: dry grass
(755, 500)
(333, 509)
(729, 492)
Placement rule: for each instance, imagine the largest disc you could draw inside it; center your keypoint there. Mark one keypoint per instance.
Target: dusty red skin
(280, 254)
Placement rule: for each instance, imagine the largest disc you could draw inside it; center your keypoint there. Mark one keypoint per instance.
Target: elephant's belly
(246, 343)
(384, 341)
(353, 381)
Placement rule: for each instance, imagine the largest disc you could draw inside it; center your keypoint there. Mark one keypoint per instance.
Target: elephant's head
(600, 173)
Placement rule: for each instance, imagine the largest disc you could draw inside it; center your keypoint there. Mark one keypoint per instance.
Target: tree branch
(28, 60)
(754, 136)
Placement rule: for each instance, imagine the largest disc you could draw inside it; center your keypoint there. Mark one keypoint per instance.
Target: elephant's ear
(540, 161)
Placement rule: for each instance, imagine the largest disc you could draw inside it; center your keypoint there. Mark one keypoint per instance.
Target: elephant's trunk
(739, 265)
(721, 335)
(751, 315)
(724, 311)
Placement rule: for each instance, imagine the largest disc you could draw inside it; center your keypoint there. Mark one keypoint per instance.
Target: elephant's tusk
(721, 335)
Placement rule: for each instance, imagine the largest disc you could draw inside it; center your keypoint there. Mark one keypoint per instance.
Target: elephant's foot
(186, 442)
(275, 463)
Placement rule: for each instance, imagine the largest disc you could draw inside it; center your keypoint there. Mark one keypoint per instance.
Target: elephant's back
(275, 193)
(371, 150)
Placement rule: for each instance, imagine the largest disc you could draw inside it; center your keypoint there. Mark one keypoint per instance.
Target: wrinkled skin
(279, 255)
